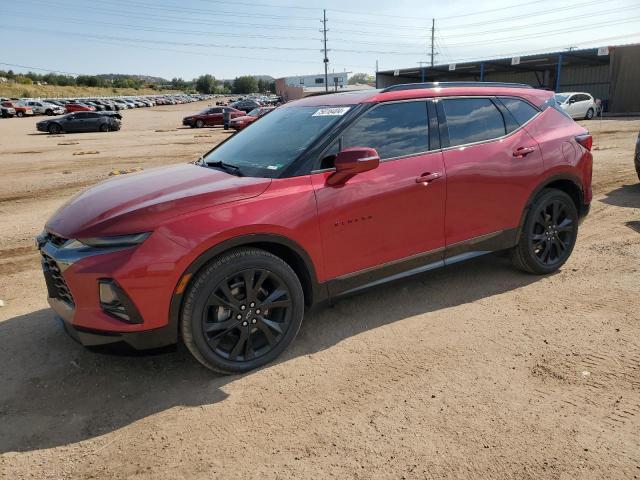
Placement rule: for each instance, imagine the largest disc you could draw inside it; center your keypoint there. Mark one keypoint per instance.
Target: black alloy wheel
(247, 315)
(54, 128)
(242, 311)
(548, 235)
(552, 233)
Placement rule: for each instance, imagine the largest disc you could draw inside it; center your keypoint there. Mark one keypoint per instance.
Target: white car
(43, 108)
(577, 104)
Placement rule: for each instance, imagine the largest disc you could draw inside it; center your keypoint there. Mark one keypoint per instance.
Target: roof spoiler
(418, 86)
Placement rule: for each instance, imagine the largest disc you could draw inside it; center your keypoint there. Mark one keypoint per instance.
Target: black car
(245, 105)
(637, 157)
(82, 122)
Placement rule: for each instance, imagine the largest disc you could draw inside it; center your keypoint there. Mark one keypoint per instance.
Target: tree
(361, 78)
(206, 84)
(245, 84)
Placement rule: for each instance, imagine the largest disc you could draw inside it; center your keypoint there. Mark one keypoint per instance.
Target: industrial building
(292, 88)
(611, 74)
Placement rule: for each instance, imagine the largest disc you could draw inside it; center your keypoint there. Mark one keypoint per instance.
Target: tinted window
(521, 110)
(394, 130)
(81, 115)
(472, 120)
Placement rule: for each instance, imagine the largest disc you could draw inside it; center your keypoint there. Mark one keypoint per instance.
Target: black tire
(104, 127)
(548, 235)
(19, 114)
(589, 114)
(54, 128)
(199, 123)
(228, 327)
(49, 112)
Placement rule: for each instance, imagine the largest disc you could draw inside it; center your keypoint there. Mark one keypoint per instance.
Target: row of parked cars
(11, 107)
(240, 113)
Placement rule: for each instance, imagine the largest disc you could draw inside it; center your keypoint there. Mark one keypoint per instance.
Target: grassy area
(15, 90)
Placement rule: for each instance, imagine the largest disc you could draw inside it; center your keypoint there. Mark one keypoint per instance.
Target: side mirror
(351, 162)
(572, 100)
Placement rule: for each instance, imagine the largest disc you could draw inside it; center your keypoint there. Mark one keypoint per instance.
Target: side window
(521, 110)
(215, 110)
(80, 115)
(472, 120)
(394, 130)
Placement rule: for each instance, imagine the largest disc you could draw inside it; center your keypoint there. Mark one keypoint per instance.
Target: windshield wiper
(227, 167)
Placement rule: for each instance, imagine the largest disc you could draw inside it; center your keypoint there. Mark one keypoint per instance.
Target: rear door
(389, 219)
(492, 164)
(214, 117)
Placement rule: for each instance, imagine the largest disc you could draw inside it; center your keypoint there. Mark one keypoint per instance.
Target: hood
(140, 202)
(245, 118)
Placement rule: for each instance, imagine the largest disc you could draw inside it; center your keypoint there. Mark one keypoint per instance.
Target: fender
(318, 291)
(582, 209)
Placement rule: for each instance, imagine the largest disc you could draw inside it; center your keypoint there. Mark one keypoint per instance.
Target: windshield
(254, 113)
(274, 142)
(561, 97)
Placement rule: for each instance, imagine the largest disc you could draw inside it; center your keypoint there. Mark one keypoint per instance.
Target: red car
(78, 107)
(210, 117)
(244, 121)
(21, 110)
(323, 197)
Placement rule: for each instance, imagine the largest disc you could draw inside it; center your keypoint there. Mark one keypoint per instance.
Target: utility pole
(433, 37)
(326, 60)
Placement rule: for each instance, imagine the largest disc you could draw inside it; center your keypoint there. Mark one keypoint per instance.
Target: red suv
(210, 117)
(323, 197)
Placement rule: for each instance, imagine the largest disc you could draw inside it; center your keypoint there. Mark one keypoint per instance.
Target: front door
(390, 217)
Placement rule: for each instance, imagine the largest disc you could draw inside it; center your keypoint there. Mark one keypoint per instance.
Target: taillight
(585, 140)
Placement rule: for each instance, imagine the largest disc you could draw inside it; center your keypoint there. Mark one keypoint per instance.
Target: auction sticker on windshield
(331, 112)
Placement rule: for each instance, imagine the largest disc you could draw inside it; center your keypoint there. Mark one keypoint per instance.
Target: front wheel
(54, 128)
(548, 235)
(199, 124)
(19, 114)
(104, 127)
(242, 311)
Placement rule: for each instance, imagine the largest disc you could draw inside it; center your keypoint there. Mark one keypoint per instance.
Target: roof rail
(417, 86)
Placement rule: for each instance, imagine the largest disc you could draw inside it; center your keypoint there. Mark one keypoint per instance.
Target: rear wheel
(49, 112)
(242, 311)
(199, 124)
(54, 128)
(549, 233)
(590, 114)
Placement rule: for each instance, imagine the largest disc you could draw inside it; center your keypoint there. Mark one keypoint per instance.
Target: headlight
(109, 242)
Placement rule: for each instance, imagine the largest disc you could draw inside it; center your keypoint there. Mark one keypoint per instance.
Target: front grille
(56, 284)
(55, 240)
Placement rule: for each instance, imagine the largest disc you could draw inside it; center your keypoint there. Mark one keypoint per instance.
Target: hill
(15, 90)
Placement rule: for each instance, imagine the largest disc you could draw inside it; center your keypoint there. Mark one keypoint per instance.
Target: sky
(228, 38)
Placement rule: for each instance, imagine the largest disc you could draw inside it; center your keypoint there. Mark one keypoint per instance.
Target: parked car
(246, 105)
(79, 107)
(577, 104)
(20, 110)
(637, 157)
(323, 197)
(43, 108)
(210, 117)
(7, 112)
(81, 122)
(244, 121)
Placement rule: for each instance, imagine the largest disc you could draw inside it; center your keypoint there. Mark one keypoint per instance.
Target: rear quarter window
(471, 120)
(522, 111)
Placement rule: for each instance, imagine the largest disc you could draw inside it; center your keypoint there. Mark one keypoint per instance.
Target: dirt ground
(476, 371)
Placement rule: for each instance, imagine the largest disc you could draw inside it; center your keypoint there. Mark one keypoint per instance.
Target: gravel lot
(477, 371)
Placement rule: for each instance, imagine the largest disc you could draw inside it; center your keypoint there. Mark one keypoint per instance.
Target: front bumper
(73, 276)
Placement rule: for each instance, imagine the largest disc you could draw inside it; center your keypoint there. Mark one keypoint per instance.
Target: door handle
(428, 177)
(522, 152)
